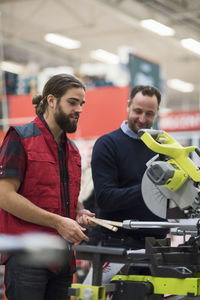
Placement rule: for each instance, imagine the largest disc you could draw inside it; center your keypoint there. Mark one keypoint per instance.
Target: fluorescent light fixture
(62, 41)
(180, 85)
(105, 56)
(157, 27)
(11, 67)
(191, 45)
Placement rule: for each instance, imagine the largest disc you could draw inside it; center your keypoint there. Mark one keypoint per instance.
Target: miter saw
(171, 182)
(170, 185)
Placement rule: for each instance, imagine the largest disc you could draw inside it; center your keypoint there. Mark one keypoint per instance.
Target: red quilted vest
(42, 179)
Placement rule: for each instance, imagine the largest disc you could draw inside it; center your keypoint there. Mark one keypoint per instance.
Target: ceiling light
(62, 41)
(105, 56)
(191, 45)
(180, 85)
(157, 27)
(11, 67)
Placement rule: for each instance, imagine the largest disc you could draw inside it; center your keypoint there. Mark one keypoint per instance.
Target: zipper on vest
(64, 180)
(67, 181)
(67, 190)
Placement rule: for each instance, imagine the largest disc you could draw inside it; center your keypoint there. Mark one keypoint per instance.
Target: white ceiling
(105, 24)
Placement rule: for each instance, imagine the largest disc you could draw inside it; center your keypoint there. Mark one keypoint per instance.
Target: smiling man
(118, 164)
(40, 182)
(142, 108)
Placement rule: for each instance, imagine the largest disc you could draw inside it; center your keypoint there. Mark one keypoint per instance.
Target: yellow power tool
(171, 178)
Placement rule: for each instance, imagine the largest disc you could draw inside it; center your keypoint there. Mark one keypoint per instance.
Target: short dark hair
(145, 90)
(57, 86)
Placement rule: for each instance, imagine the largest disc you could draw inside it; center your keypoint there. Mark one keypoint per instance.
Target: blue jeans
(32, 283)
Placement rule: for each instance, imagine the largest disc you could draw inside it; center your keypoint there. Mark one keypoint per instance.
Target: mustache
(75, 115)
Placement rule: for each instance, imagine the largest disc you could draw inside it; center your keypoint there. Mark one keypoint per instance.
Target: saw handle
(167, 145)
(153, 132)
(197, 150)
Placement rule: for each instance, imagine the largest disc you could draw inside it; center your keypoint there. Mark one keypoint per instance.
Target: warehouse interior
(111, 25)
(111, 45)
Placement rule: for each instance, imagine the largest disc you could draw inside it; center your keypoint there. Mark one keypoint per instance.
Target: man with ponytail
(39, 182)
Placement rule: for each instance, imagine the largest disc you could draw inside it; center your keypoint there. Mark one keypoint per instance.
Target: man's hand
(70, 230)
(82, 220)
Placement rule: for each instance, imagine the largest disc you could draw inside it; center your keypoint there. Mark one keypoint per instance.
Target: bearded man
(118, 163)
(40, 171)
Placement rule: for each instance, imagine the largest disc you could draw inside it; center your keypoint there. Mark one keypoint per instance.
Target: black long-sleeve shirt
(118, 165)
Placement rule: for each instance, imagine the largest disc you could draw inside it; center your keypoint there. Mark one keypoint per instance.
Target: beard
(64, 120)
(135, 126)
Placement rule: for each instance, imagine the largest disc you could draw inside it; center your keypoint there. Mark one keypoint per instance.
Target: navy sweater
(118, 165)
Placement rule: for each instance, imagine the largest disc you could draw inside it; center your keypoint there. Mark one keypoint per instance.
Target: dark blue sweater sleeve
(110, 195)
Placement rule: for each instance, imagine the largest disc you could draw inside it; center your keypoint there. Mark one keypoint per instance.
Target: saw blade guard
(160, 142)
(171, 179)
(167, 173)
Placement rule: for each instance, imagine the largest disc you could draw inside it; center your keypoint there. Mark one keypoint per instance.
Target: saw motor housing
(167, 173)
(171, 177)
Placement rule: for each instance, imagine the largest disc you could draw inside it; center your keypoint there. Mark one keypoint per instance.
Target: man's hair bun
(36, 99)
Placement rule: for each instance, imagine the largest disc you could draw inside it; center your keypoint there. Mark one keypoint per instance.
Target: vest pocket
(42, 168)
(42, 181)
(40, 156)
